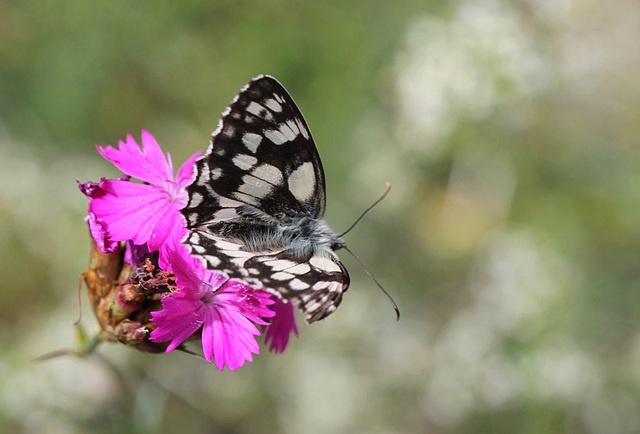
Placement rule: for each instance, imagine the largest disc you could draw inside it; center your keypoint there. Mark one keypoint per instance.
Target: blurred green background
(510, 239)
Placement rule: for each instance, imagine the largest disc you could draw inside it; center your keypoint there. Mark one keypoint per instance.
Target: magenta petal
(228, 338)
(129, 210)
(148, 164)
(97, 228)
(188, 270)
(100, 234)
(178, 319)
(187, 170)
(135, 254)
(282, 326)
(170, 228)
(247, 301)
(151, 148)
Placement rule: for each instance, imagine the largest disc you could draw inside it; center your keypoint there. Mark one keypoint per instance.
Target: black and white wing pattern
(256, 205)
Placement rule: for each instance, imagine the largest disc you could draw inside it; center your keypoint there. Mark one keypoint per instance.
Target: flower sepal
(123, 297)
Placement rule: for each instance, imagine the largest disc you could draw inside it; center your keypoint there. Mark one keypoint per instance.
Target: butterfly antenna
(393, 303)
(384, 193)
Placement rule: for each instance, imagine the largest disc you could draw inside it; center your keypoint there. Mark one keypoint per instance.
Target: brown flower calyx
(123, 297)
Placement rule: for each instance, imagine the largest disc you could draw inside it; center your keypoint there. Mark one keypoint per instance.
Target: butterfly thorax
(302, 238)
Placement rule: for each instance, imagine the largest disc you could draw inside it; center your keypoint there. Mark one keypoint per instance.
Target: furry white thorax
(301, 237)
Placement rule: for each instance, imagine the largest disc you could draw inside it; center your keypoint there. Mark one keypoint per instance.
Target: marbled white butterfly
(257, 202)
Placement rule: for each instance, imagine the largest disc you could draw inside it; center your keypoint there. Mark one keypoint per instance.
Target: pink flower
(281, 326)
(226, 311)
(148, 213)
(146, 216)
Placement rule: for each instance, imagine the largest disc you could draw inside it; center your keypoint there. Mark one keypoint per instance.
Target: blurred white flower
(481, 58)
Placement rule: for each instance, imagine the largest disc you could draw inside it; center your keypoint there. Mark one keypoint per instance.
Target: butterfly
(256, 205)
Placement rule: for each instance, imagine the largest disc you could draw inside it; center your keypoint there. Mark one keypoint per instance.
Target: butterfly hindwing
(256, 204)
(315, 284)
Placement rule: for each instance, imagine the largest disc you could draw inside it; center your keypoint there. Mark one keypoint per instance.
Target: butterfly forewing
(263, 155)
(256, 204)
